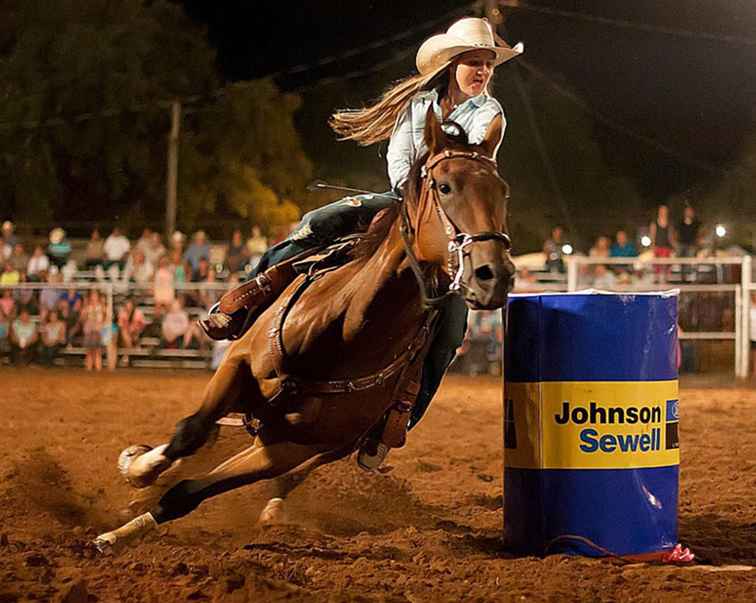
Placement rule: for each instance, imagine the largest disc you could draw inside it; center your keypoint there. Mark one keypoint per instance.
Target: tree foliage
(118, 62)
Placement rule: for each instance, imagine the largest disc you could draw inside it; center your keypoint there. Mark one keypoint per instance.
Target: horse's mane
(384, 219)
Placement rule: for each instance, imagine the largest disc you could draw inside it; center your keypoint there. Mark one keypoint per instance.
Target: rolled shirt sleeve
(482, 118)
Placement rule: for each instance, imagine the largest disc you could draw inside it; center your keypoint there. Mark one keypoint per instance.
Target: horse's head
(459, 214)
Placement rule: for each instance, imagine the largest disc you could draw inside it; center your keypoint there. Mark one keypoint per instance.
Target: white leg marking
(131, 531)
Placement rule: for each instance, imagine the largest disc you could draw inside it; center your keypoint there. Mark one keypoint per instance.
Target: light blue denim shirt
(407, 142)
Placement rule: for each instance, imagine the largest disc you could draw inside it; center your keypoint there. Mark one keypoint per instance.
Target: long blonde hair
(376, 122)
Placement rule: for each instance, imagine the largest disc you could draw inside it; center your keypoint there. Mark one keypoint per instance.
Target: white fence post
(739, 331)
(745, 318)
(572, 273)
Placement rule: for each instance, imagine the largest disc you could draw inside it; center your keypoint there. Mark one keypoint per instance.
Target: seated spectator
(164, 291)
(116, 248)
(23, 339)
(28, 298)
(38, 264)
(8, 235)
(131, 323)
(177, 243)
(237, 255)
(59, 248)
(73, 298)
(19, 259)
(5, 324)
(209, 295)
(10, 275)
(48, 298)
(53, 332)
(180, 273)
(70, 316)
(93, 322)
(195, 295)
(175, 325)
(154, 249)
(95, 254)
(200, 275)
(5, 251)
(8, 303)
(138, 270)
(603, 278)
(622, 247)
(552, 247)
(600, 248)
(199, 249)
(257, 245)
(143, 242)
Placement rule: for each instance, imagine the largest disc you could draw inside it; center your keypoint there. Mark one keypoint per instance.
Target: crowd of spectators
(663, 238)
(162, 285)
(159, 288)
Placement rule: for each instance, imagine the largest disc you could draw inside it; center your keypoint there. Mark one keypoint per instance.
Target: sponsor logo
(604, 414)
(611, 415)
(591, 425)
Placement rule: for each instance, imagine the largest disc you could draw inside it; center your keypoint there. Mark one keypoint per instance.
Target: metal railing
(740, 289)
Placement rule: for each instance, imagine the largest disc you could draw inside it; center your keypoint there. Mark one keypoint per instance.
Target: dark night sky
(692, 94)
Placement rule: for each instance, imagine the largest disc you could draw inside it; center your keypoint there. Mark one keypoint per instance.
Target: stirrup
(219, 325)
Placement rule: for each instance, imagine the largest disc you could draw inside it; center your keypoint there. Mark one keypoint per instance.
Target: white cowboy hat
(467, 34)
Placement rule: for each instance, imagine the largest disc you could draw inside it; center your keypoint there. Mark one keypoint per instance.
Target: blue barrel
(591, 454)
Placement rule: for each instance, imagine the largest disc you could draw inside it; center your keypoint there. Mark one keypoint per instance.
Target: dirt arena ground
(426, 531)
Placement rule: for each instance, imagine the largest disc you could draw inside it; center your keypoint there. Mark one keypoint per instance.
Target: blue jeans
(346, 216)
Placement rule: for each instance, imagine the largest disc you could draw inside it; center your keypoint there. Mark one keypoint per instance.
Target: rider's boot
(238, 308)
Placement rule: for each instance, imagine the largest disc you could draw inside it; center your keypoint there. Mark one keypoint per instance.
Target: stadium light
(567, 249)
(646, 241)
(721, 231)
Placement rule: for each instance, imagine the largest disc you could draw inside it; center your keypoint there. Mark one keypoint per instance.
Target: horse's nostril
(484, 273)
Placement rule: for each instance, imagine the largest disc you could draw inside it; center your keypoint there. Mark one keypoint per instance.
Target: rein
(459, 241)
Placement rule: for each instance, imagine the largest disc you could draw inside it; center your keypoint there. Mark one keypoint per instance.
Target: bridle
(459, 241)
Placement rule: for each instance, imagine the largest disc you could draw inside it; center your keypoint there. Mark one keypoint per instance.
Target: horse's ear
(435, 139)
(493, 137)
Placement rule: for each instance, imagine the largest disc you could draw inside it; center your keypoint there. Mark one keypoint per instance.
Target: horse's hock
(591, 415)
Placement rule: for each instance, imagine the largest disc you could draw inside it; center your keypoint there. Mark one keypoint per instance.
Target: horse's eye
(444, 188)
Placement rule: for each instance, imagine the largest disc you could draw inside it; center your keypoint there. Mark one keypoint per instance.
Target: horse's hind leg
(222, 393)
(254, 464)
(274, 512)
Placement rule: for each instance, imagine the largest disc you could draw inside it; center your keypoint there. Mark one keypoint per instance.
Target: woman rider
(455, 70)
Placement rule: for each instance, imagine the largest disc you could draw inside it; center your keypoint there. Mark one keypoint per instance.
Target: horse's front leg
(222, 395)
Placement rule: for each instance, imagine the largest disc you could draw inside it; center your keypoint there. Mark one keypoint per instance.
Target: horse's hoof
(128, 456)
(273, 514)
(105, 543)
(144, 467)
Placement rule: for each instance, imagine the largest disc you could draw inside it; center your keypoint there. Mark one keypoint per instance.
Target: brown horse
(322, 365)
